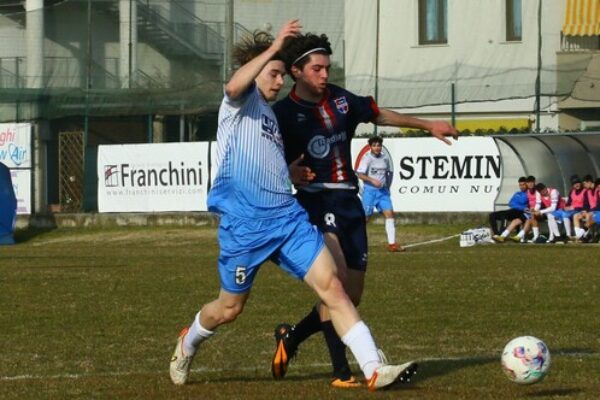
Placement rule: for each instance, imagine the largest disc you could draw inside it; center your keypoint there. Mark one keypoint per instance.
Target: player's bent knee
(334, 294)
(230, 313)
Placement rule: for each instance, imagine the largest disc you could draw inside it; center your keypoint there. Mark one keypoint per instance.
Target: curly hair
(375, 139)
(294, 49)
(251, 46)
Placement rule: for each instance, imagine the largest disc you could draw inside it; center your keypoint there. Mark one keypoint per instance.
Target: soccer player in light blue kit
(375, 171)
(260, 220)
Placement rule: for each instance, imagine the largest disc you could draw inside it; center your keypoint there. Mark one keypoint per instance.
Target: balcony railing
(580, 43)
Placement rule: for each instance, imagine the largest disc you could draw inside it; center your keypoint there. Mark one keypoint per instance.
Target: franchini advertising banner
(153, 177)
(430, 176)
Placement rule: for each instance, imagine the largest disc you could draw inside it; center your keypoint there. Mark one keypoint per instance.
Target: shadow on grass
(26, 234)
(248, 378)
(574, 351)
(429, 369)
(432, 368)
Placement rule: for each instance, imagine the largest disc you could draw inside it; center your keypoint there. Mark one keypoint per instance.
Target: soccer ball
(525, 360)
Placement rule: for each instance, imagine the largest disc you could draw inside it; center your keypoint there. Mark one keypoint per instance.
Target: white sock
(568, 229)
(521, 234)
(360, 341)
(553, 226)
(195, 336)
(505, 233)
(586, 232)
(536, 232)
(579, 232)
(390, 229)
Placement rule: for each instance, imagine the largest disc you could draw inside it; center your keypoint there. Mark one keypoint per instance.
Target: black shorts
(340, 212)
(510, 214)
(514, 214)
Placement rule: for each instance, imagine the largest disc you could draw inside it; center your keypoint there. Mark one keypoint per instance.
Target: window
(514, 26)
(433, 21)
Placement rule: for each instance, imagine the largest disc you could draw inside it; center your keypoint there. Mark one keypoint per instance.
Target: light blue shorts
(560, 214)
(596, 217)
(376, 199)
(290, 241)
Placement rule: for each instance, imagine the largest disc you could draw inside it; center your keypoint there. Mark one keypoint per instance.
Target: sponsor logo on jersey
(270, 131)
(319, 145)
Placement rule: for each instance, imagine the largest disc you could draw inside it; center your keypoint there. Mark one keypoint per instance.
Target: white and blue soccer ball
(526, 360)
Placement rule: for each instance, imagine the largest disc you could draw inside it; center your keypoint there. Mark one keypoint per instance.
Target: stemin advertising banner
(429, 176)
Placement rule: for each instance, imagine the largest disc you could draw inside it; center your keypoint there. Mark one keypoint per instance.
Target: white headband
(309, 52)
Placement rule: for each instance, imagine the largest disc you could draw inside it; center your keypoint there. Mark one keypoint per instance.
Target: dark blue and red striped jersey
(323, 132)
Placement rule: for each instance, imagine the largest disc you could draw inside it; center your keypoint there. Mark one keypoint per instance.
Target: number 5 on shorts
(240, 275)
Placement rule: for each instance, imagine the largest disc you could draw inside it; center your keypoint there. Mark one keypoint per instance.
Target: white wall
(316, 16)
(412, 75)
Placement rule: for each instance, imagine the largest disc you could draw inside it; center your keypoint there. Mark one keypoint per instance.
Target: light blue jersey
(252, 179)
(377, 167)
(260, 219)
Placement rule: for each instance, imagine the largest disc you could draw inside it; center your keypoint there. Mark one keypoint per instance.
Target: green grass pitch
(94, 313)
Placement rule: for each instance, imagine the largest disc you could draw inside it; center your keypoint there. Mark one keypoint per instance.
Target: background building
(90, 72)
(487, 63)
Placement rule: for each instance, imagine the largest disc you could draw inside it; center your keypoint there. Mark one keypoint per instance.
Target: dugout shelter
(551, 158)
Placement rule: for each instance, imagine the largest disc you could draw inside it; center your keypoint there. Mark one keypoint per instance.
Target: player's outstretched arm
(438, 129)
(245, 75)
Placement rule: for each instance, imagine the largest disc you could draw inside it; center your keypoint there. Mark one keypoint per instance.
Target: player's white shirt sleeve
(554, 197)
(363, 166)
(538, 201)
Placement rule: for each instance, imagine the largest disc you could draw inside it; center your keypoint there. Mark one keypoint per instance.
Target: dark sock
(337, 352)
(310, 325)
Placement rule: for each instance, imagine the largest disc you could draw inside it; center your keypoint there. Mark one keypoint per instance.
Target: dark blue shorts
(340, 212)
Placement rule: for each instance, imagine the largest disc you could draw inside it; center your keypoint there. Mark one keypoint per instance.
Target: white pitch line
(430, 241)
(262, 367)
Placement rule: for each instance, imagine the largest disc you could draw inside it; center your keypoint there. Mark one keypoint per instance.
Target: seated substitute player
(317, 122)
(375, 171)
(588, 205)
(548, 202)
(592, 222)
(261, 220)
(515, 214)
(531, 223)
(574, 205)
(591, 206)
